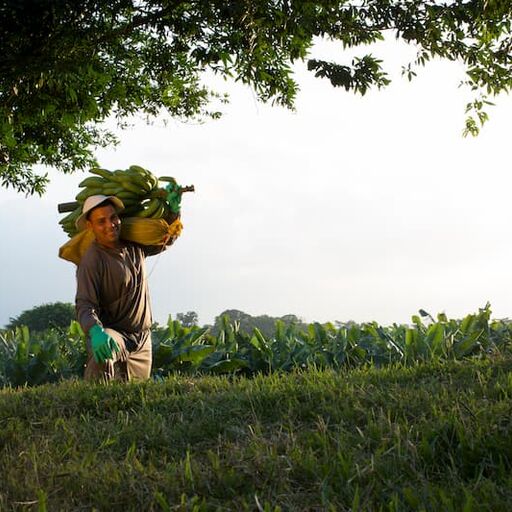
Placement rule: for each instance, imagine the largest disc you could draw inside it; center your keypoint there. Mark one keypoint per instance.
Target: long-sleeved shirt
(112, 289)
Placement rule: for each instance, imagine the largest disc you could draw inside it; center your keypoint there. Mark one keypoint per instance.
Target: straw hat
(90, 203)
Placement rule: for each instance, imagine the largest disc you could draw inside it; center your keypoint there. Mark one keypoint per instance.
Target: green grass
(429, 437)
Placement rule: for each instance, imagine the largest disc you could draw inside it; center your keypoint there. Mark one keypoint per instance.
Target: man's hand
(102, 344)
(173, 196)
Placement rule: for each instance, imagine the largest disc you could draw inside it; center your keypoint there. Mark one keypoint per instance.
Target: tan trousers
(124, 365)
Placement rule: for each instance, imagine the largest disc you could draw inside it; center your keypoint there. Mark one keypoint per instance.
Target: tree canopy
(188, 319)
(247, 323)
(45, 316)
(67, 66)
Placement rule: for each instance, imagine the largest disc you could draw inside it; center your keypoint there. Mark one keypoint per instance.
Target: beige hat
(93, 201)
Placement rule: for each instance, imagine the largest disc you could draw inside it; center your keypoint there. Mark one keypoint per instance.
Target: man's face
(105, 224)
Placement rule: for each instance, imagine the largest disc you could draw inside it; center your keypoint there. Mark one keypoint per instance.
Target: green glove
(102, 344)
(173, 196)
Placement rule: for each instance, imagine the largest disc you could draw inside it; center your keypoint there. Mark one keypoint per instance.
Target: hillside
(429, 437)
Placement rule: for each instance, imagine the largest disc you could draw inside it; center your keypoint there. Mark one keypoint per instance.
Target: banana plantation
(53, 355)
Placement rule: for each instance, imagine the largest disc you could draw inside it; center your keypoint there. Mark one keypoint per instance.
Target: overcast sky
(349, 208)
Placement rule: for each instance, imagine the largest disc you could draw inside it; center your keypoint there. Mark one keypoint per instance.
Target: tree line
(59, 315)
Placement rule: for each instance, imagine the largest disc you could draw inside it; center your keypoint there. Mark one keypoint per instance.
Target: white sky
(349, 208)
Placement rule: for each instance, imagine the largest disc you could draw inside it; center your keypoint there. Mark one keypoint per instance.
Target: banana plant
(181, 349)
(32, 360)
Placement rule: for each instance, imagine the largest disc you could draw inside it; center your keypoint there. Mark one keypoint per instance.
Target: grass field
(430, 437)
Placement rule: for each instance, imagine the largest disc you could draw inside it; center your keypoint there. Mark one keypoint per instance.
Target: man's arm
(87, 295)
(87, 309)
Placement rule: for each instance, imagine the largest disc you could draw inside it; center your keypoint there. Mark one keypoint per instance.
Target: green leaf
(163, 355)
(25, 334)
(434, 337)
(193, 354)
(259, 342)
(228, 365)
(416, 320)
(441, 317)
(467, 323)
(468, 345)
(195, 335)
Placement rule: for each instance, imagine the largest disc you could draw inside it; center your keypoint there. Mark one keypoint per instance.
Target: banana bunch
(68, 222)
(136, 187)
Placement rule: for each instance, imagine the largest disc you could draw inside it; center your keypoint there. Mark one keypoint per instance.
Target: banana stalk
(136, 187)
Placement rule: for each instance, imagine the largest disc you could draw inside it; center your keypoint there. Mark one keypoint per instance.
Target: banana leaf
(228, 366)
(468, 345)
(194, 354)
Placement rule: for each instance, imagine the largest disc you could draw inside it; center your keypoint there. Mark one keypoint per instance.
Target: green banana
(153, 179)
(117, 176)
(71, 217)
(93, 182)
(137, 169)
(160, 211)
(126, 194)
(112, 190)
(146, 174)
(151, 208)
(129, 202)
(131, 187)
(132, 210)
(142, 180)
(105, 173)
(167, 178)
(86, 192)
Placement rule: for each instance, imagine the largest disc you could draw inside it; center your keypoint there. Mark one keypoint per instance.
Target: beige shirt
(112, 289)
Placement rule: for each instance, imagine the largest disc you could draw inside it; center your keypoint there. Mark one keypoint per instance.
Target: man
(112, 299)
